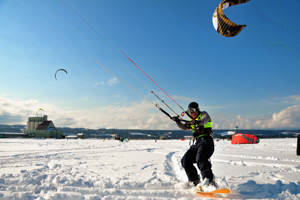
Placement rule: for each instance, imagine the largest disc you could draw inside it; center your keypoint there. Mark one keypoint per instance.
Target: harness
(196, 128)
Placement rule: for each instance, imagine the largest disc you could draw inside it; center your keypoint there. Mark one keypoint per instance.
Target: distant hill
(11, 128)
(153, 134)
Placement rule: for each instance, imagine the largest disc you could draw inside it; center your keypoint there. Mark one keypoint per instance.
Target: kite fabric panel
(222, 24)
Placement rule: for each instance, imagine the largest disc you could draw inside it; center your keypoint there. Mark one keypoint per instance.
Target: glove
(176, 119)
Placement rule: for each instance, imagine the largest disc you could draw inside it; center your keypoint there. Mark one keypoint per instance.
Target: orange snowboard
(214, 193)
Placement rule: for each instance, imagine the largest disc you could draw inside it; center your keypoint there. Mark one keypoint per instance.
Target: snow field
(141, 169)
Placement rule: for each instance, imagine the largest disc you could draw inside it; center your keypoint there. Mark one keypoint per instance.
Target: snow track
(96, 169)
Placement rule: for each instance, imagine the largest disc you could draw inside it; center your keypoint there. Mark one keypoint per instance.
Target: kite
(222, 24)
(241, 138)
(40, 109)
(58, 71)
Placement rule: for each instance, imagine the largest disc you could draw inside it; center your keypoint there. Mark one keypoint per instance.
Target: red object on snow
(241, 138)
(182, 139)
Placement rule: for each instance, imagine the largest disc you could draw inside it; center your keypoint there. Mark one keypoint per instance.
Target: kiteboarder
(201, 151)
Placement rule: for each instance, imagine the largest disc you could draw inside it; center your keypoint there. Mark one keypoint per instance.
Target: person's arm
(179, 124)
(205, 118)
(182, 126)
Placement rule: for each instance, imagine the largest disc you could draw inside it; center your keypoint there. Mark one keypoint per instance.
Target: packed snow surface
(142, 169)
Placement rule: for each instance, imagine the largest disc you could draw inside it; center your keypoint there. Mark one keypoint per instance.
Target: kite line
(157, 85)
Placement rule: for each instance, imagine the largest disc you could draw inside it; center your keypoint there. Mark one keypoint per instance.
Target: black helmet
(193, 107)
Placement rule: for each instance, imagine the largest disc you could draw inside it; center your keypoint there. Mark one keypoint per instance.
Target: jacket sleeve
(204, 119)
(181, 126)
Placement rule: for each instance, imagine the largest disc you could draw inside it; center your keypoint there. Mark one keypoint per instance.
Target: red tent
(241, 138)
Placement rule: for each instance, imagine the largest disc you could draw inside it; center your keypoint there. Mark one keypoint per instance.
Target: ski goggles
(192, 110)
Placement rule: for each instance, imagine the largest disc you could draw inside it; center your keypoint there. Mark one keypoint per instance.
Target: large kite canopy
(222, 24)
(241, 138)
(58, 71)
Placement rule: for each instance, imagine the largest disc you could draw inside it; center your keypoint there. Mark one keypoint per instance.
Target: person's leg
(204, 152)
(187, 162)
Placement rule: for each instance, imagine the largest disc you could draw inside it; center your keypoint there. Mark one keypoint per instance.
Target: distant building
(41, 127)
(71, 137)
(80, 135)
(77, 136)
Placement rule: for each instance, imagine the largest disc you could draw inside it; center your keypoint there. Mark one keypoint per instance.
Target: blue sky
(251, 80)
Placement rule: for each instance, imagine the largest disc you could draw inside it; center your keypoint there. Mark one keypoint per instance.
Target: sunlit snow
(142, 169)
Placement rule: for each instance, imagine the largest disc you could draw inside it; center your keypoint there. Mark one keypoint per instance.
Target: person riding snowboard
(202, 150)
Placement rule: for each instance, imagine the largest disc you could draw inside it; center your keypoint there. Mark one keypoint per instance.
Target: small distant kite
(58, 71)
(222, 24)
(40, 109)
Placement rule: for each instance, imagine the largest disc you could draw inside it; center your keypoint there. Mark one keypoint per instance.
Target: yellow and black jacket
(201, 126)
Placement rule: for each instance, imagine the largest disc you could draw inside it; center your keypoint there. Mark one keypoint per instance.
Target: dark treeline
(153, 134)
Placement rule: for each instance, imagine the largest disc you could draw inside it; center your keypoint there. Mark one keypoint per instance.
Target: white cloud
(294, 99)
(97, 84)
(14, 109)
(112, 81)
(288, 118)
(137, 115)
(289, 100)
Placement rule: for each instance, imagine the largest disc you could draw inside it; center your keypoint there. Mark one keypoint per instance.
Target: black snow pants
(199, 153)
